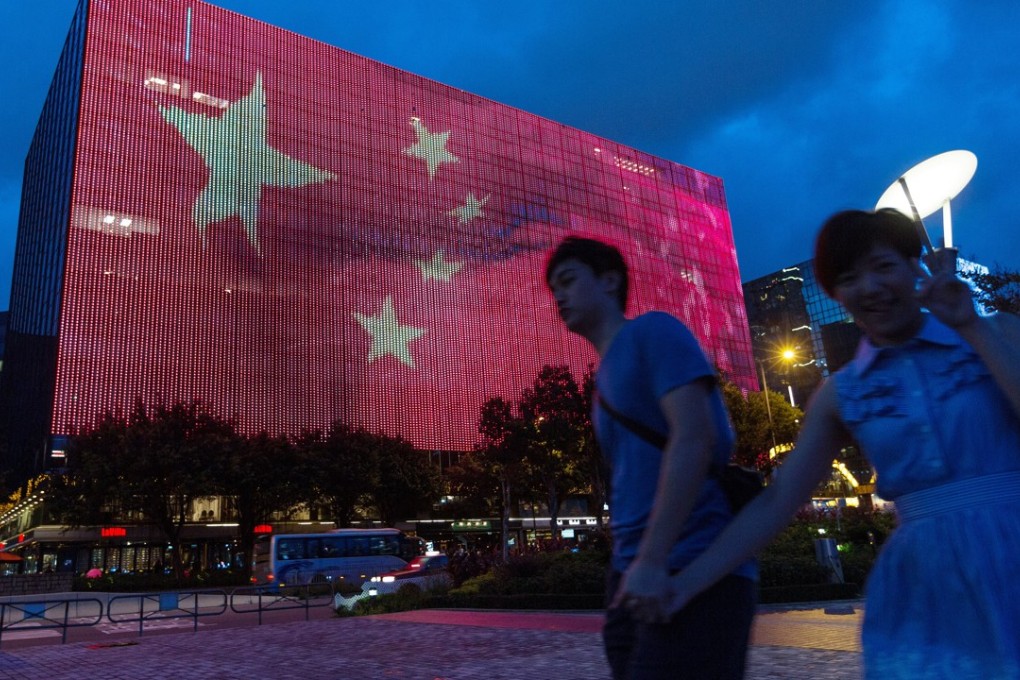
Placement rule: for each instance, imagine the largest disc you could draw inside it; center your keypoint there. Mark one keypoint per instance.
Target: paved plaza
(788, 643)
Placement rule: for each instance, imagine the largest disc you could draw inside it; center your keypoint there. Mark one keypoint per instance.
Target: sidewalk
(791, 643)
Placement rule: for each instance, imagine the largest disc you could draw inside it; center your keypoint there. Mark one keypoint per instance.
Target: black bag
(740, 484)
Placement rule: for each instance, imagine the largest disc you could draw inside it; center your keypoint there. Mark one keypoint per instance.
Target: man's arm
(769, 513)
(685, 461)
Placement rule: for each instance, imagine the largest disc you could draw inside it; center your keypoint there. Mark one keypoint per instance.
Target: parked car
(425, 572)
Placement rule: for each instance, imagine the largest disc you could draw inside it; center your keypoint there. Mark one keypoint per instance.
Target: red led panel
(295, 234)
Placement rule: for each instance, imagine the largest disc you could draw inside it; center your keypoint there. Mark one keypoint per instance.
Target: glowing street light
(929, 186)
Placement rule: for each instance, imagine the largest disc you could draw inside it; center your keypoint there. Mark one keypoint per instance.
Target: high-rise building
(798, 334)
(218, 209)
(788, 310)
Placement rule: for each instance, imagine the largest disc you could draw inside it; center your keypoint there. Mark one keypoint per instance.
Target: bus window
(333, 547)
(290, 549)
(385, 545)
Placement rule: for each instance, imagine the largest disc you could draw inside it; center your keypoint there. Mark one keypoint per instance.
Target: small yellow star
(438, 268)
(471, 209)
(388, 335)
(430, 147)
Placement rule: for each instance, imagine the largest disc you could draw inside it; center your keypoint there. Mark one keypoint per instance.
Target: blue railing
(258, 599)
(149, 607)
(50, 614)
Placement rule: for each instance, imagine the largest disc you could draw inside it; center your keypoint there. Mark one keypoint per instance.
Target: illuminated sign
(263, 528)
(112, 532)
(298, 235)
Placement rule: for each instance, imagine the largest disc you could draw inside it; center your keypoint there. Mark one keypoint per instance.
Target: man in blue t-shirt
(665, 508)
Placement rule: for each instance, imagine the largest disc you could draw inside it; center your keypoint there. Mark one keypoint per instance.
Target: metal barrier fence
(148, 608)
(50, 614)
(258, 599)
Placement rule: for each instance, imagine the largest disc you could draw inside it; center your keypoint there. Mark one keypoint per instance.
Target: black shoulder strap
(653, 437)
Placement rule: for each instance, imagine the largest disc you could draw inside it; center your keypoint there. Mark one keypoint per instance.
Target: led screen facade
(295, 234)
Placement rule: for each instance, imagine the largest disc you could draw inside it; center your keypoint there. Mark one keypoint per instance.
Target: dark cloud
(801, 107)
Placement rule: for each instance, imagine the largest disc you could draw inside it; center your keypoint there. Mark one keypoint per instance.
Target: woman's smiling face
(879, 291)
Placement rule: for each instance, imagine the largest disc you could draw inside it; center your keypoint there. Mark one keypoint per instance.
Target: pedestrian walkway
(788, 643)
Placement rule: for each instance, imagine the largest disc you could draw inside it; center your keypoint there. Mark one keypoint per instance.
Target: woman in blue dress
(933, 398)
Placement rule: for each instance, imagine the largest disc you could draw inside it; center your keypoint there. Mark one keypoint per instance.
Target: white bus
(343, 555)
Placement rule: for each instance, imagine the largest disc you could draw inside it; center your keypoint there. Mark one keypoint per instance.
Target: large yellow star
(240, 161)
(430, 147)
(471, 209)
(388, 336)
(438, 268)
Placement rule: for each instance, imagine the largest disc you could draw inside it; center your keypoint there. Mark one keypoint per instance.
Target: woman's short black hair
(600, 257)
(848, 236)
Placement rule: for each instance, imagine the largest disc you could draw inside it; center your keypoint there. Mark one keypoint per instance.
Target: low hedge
(818, 592)
(154, 582)
(455, 600)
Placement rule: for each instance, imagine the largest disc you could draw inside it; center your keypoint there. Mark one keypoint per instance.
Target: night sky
(802, 108)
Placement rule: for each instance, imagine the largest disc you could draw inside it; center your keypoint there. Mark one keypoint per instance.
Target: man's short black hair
(598, 256)
(848, 236)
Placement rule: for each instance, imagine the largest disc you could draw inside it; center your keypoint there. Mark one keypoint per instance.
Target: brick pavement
(434, 645)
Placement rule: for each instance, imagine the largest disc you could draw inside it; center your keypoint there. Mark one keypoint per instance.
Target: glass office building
(788, 310)
(218, 209)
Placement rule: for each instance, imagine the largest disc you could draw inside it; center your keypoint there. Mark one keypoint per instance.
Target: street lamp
(768, 404)
(928, 187)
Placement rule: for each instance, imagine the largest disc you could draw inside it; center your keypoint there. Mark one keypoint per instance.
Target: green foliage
(540, 581)
(999, 290)
(261, 475)
(790, 570)
(544, 601)
(350, 471)
(408, 482)
(754, 429)
(789, 560)
(552, 414)
(153, 463)
(541, 446)
(340, 468)
(159, 581)
(816, 592)
(405, 599)
(548, 573)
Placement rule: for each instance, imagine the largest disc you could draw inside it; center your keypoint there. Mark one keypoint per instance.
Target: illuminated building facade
(216, 208)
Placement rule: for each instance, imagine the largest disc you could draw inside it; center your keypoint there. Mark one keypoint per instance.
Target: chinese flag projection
(296, 235)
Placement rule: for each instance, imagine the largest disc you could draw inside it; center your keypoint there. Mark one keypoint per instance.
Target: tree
(155, 462)
(341, 468)
(261, 475)
(552, 414)
(408, 483)
(755, 429)
(499, 454)
(475, 490)
(999, 290)
(594, 465)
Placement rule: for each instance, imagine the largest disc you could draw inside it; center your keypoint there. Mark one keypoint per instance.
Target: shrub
(157, 581)
(791, 571)
(549, 573)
